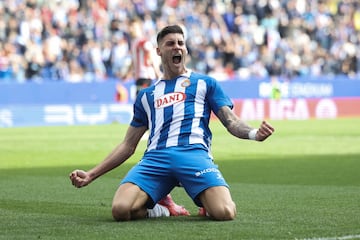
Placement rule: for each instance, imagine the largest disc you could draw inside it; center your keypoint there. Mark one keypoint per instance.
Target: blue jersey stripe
(177, 118)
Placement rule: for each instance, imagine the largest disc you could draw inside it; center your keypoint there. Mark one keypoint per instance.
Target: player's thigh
(217, 200)
(153, 176)
(197, 172)
(130, 196)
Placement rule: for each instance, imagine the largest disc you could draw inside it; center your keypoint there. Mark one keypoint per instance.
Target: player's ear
(158, 51)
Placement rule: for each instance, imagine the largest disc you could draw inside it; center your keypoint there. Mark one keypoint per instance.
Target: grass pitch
(303, 183)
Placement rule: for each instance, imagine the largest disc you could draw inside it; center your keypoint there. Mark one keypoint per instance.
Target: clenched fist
(79, 178)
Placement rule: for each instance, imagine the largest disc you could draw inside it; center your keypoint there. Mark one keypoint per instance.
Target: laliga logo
(169, 99)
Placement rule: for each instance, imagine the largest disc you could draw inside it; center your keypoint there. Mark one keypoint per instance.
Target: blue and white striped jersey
(177, 111)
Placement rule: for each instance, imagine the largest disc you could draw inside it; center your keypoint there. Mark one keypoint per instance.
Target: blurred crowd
(90, 40)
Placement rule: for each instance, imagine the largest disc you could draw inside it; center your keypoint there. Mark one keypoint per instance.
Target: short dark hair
(167, 30)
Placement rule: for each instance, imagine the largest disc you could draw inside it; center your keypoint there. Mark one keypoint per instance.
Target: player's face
(172, 51)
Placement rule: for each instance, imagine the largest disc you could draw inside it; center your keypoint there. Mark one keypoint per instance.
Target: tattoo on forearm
(224, 117)
(233, 124)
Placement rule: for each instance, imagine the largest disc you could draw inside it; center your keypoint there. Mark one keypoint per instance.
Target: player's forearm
(239, 129)
(233, 124)
(119, 155)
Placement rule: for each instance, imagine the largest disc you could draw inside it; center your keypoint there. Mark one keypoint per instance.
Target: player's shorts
(159, 171)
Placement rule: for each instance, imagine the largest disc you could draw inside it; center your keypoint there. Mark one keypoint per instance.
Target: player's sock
(158, 211)
(174, 209)
(202, 212)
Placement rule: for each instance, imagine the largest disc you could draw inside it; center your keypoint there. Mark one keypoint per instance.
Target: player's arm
(241, 129)
(120, 154)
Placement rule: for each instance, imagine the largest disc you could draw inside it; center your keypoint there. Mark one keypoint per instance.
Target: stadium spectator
(145, 65)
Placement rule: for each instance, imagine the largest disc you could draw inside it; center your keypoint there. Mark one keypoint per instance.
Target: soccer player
(145, 70)
(144, 65)
(176, 111)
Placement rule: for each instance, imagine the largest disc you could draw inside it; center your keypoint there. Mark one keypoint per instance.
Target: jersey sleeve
(217, 97)
(140, 117)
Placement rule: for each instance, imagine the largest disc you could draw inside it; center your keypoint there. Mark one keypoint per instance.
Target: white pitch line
(334, 238)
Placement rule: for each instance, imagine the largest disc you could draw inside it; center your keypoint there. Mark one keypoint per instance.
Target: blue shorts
(159, 171)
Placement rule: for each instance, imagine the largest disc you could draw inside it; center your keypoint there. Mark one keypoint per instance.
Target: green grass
(302, 183)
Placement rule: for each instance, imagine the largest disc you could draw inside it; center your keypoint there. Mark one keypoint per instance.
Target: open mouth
(176, 59)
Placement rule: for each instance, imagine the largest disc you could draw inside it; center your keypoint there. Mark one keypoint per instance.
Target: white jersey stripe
(197, 132)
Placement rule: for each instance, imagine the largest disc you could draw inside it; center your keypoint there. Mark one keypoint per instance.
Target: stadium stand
(85, 41)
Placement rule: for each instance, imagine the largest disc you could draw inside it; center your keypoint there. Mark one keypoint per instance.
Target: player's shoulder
(204, 77)
(146, 90)
(198, 75)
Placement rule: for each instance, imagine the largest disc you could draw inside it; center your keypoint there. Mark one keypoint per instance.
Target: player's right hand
(265, 130)
(79, 178)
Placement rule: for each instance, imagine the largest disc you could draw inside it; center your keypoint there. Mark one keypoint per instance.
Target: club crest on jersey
(185, 83)
(169, 99)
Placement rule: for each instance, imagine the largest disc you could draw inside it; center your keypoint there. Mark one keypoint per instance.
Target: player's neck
(168, 75)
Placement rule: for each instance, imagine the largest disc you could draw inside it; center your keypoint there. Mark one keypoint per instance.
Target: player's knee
(224, 213)
(121, 212)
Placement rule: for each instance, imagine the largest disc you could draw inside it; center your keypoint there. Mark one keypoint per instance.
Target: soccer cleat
(174, 209)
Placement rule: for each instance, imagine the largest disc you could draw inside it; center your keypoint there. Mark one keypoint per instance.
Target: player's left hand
(265, 130)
